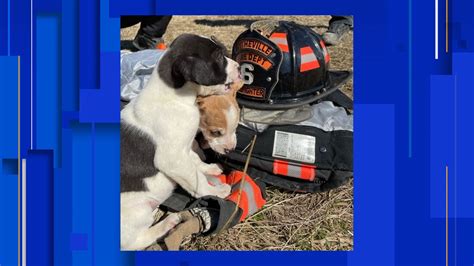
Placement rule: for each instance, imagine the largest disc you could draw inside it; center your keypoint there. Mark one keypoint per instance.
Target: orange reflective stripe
(306, 50)
(278, 35)
(279, 38)
(280, 167)
(325, 51)
(309, 60)
(233, 196)
(303, 171)
(307, 172)
(222, 178)
(309, 66)
(234, 177)
(284, 48)
(257, 193)
(251, 199)
(243, 205)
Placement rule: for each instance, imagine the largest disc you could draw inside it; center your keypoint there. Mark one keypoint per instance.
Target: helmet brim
(335, 80)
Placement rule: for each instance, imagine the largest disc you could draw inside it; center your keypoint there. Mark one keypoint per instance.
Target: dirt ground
(289, 221)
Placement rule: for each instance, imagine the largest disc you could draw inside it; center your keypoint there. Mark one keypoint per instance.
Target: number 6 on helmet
(285, 65)
(246, 71)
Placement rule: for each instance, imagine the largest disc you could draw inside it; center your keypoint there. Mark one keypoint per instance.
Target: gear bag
(312, 156)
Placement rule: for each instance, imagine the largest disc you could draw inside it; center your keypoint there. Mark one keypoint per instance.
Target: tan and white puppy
(219, 119)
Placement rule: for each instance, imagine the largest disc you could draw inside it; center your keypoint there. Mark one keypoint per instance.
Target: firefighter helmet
(284, 65)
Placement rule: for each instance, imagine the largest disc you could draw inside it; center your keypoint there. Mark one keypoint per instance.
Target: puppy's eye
(216, 133)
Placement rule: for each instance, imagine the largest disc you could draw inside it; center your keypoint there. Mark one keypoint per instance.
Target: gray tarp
(324, 115)
(135, 70)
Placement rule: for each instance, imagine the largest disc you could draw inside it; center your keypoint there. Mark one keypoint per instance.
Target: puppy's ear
(201, 103)
(223, 50)
(197, 70)
(235, 87)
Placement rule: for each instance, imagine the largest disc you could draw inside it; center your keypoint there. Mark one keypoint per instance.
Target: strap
(339, 99)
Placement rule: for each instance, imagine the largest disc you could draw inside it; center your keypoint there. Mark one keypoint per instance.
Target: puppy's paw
(172, 221)
(223, 190)
(211, 169)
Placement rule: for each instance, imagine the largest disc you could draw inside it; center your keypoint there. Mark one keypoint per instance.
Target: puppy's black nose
(227, 151)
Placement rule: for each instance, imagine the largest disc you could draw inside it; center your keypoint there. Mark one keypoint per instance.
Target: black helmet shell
(285, 65)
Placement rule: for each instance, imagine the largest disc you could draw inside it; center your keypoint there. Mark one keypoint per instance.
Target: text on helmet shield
(255, 45)
(254, 58)
(253, 91)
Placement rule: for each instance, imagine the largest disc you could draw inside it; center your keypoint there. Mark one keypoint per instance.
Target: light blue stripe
(8, 26)
(47, 96)
(409, 79)
(82, 190)
(251, 199)
(8, 154)
(93, 195)
(455, 170)
(109, 28)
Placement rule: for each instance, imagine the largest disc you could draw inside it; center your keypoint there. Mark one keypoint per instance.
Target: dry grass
(288, 221)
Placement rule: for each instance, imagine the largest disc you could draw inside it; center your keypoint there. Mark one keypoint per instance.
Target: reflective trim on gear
(280, 40)
(309, 60)
(251, 199)
(301, 171)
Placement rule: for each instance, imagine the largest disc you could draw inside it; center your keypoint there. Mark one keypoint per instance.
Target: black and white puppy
(157, 131)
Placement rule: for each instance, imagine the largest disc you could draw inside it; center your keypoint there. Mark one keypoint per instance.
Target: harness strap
(339, 99)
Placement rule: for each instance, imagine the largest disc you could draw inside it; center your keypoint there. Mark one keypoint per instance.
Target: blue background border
(412, 119)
